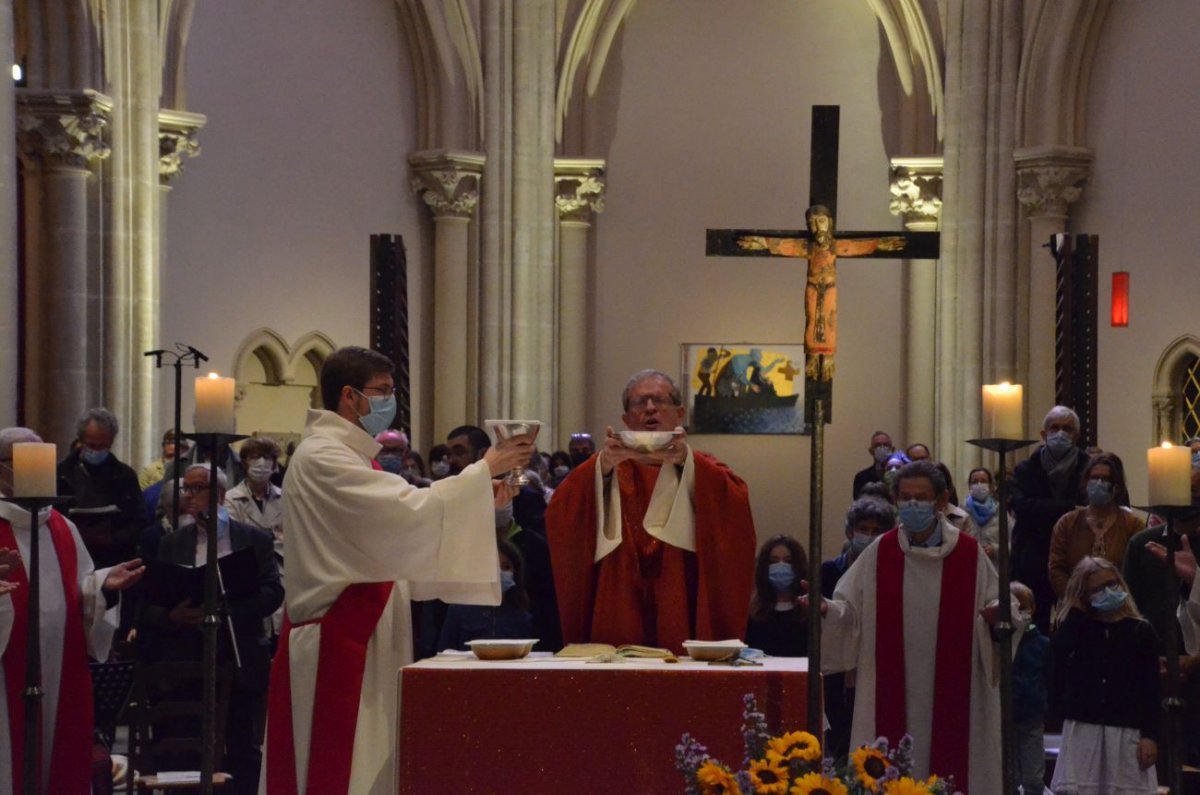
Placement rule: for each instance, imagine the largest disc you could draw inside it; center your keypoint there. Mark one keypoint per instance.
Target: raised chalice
(507, 429)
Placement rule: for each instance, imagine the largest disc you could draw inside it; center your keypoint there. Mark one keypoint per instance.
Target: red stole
(71, 756)
(346, 630)
(951, 736)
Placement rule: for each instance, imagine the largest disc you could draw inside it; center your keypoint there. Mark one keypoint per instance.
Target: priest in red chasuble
(651, 548)
(913, 615)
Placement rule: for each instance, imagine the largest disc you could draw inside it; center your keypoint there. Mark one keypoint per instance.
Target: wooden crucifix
(821, 248)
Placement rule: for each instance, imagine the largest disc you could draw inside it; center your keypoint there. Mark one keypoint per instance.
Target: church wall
(1144, 127)
(310, 121)
(706, 106)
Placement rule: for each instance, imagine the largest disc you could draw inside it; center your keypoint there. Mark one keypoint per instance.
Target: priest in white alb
(78, 609)
(914, 617)
(359, 544)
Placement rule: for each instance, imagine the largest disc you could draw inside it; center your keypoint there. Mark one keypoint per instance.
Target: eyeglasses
(643, 402)
(185, 489)
(382, 390)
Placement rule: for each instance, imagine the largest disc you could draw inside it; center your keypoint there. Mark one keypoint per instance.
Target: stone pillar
(916, 188)
(1049, 179)
(579, 192)
(10, 332)
(448, 183)
(58, 135)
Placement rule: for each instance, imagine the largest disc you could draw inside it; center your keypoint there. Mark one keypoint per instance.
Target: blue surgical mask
(93, 457)
(860, 541)
(391, 463)
(1196, 459)
(916, 516)
(1109, 599)
(981, 492)
(383, 411)
(1059, 444)
(882, 453)
(561, 471)
(1099, 493)
(507, 580)
(440, 469)
(781, 576)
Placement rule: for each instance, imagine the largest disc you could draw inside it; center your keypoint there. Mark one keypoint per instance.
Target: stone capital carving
(62, 129)
(177, 139)
(448, 182)
(916, 188)
(1051, 178)
(578, 187)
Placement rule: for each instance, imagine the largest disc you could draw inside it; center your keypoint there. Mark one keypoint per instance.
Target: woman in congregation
(983, 520)
(511, 619)
(1101, 528)
(1107, 671)
(776, 624)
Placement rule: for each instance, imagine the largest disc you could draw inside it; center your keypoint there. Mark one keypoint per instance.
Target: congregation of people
(354, 540)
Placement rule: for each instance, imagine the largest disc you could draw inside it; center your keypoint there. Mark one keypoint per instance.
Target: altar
(545, 724)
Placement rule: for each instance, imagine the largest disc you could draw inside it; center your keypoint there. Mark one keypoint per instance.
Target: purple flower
(689, 755)
(754, 730)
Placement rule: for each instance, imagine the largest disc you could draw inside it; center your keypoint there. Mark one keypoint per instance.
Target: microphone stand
(183, 354)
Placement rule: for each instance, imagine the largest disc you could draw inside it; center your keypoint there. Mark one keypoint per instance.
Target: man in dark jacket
(173, 632)
(108, 507)
(1043, 488)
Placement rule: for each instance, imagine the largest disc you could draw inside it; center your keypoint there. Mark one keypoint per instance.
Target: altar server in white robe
(359, 544)
(78, 616)
(912, 617)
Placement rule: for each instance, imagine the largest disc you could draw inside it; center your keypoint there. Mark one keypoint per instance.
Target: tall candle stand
(1173, 702)
(185, 354)
(212, 622)
(32, 694)
(1004, 628)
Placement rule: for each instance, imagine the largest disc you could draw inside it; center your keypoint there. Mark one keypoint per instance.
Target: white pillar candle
(1170, 475)
(214, 405)
(1003, 411)
(35, 470)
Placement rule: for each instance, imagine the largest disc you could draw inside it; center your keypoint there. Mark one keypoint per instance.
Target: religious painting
(744, 387)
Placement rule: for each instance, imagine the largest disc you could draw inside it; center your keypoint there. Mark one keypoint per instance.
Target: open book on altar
(603, 649)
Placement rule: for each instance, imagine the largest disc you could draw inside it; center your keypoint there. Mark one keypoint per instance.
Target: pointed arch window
(1189, 396)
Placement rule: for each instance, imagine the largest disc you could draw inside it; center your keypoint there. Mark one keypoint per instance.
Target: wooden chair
(165, 715)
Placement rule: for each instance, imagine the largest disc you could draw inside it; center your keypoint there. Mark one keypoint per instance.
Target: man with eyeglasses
(651, 548)
(359, 544)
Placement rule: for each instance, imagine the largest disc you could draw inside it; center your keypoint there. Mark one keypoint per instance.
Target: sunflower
(906, 786)
(715, 779)
(796, 745)
(770, 775)
(816, 784)
(869, 766)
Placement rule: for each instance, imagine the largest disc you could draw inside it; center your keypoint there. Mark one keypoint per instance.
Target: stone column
(10, 333)
(58, 135)
(448, 183)
(579, 192)
(916, 188)
(1049, 179)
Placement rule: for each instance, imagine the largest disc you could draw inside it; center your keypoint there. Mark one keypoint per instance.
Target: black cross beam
(822, 189)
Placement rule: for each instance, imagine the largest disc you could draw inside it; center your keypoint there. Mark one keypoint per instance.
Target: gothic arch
(314, 347)
(917, 53)
(272, 352)
(1164, 396)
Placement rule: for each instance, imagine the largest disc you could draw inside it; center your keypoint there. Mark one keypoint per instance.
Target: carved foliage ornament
(173, 146)
(917, 197)
(62, 139)
(447, 191)
(1047, 190)
(579, 196)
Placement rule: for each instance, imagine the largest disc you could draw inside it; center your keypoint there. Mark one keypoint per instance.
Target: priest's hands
(503, 493)
(186, 614)
(10, 559)
(509, 454)
(802, 600)
(1147, 753)
(123, 575)
(1185, 558)
(614, 451)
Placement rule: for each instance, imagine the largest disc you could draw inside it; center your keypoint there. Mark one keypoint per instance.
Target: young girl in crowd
(983, 522)
(1107, 671)
(511, 619)
(776, 625)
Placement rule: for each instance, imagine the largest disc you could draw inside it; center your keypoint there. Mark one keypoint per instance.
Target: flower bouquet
(791, 764)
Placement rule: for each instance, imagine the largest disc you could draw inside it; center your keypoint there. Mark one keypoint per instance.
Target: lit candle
(35, 470)
(1170, 475)
(214, 404)
(1003, 411)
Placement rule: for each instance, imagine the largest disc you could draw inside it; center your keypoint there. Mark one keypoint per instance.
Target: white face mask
(980, 492)
(260, 470)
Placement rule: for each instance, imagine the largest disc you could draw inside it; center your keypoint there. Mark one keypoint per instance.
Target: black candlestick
(1004, 628)
(212, 622)
(33, 693)
(185, 354)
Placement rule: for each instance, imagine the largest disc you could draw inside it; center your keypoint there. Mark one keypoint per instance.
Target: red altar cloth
(554, 726)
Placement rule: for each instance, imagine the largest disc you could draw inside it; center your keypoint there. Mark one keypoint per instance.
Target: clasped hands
(614, 451)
